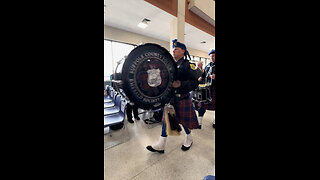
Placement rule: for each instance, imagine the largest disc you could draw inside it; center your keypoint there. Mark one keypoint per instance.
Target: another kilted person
(187, 80)
(208, 76)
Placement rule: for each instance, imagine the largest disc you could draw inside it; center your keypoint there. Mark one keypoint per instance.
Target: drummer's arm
(187, 86)
(191, 84)
(213, 75)
(202, 77)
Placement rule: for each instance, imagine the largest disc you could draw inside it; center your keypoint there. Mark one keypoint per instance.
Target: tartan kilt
(185, 114)
(212, 104)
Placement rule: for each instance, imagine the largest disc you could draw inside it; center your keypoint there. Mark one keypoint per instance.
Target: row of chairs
(114, 108)
(114, 118)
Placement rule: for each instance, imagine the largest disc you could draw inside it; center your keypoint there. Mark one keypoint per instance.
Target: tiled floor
(131, 160)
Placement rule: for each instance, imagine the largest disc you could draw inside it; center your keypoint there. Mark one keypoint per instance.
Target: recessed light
(144, 23)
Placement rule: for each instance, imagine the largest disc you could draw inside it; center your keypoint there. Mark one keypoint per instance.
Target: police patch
(192, 66)
(154, 78)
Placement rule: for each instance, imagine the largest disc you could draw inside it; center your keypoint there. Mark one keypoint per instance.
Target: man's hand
(200, 79)
(213, 76)
(176, 84)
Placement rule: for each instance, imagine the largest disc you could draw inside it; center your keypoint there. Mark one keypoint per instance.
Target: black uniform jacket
(188, 75)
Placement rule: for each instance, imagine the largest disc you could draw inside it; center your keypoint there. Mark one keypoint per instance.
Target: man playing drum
(209, 78)
(185, 115)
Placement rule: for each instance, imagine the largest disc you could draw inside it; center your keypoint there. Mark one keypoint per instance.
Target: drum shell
(147, 76)
(202, 94)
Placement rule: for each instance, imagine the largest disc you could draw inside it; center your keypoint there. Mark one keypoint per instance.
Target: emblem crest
(192, 66)
(154, 78)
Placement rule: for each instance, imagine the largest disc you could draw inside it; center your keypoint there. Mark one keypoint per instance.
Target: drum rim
(172, 76)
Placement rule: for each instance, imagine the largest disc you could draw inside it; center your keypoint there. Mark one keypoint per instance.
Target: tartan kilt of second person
(212, 104)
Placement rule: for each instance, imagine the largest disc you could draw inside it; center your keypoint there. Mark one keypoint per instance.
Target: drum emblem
(154, 78)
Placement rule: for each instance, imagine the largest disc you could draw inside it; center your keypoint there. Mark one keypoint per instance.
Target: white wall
(206, 6)
(133, 38)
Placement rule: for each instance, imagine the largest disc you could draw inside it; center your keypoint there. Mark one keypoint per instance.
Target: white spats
(200, 120)
(160, 145)
(188, 140)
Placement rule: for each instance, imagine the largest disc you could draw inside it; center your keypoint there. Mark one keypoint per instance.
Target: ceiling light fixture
(144, 23)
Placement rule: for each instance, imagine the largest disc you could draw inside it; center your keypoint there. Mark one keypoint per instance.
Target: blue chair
(116, 108)
(108, 97)
(112, 103)
(209, 177)
(116, 121)
(116, 118)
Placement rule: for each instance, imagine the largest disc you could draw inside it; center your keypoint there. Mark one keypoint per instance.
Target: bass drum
(147, 76)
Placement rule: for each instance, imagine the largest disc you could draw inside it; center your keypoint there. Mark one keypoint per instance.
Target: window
(196, 58)
(107, 60)
(204, 61)
(114, 52)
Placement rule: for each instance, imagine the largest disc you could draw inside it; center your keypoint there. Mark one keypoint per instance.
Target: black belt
(182, 96)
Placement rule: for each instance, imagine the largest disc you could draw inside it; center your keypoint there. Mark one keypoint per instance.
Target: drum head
(147, 75)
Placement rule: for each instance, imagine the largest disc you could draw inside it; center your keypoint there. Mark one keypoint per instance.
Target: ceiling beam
(171, 7)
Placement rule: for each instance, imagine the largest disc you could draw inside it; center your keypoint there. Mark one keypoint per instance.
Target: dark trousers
(201, 111)
(131, 108)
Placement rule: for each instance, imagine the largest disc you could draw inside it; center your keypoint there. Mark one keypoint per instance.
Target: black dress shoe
(199, 127)
(184, 148)
(137, 118)
(150, 148)
(214, 125)
(130, 121)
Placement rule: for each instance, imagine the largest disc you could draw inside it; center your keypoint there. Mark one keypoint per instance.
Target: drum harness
(209, 82)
